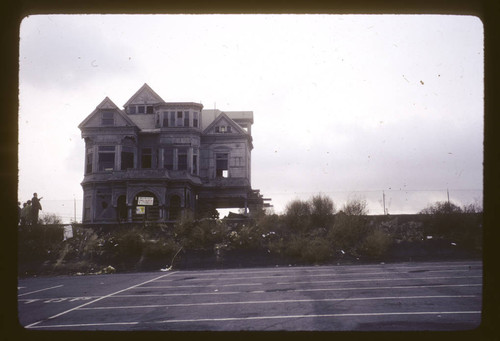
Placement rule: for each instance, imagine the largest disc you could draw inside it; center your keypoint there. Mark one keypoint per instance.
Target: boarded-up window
(108, 118)
(103, 208)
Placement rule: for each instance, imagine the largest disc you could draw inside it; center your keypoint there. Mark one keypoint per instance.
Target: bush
(50, 219)
(316, 250)
(448, 221)
(376, 244)
(355, 207)
(130, 244)
(247, 237)
(298, 216)
(322, 211)
(160, 249)
(441, 207)
(293, 246)
(200, 234)
(305, 249)
(347, 232)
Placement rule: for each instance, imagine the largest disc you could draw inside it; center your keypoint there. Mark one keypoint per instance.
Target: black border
(11, 15)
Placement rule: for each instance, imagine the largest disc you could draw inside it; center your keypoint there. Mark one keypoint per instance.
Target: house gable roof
(145, 95)
(225, 120)
(106, 105)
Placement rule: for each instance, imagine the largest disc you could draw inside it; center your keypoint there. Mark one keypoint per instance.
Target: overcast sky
(347, 106)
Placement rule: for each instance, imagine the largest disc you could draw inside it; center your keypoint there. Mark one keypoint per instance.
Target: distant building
(160, 161)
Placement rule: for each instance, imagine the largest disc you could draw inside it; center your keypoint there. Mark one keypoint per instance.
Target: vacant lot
(397, 296)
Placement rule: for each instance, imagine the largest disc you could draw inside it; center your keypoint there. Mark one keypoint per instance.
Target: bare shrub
(441, 207)
(355, 207)
(474, 207)
(322, 210)
(50, 219)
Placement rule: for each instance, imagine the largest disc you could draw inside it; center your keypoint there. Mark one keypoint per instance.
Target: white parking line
(300, 290)
(173, 286)
(98, 299)
(394, 287)
(281, 317)
(377, 279)
(88, 325)
(285, 271)
(186, 294)
(342, 299)
(203, 286)
(32, 292)
(302, 275)
(319, 315)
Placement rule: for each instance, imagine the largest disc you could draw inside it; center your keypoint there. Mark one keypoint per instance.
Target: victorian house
(160, 161)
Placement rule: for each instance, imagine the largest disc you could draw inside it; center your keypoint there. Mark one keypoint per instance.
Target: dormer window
(108, 118)
(223, 129)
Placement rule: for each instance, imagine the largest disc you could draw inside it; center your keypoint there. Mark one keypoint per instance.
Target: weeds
(309, 233)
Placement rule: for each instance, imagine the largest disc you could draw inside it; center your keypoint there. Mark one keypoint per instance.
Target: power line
(377, 191)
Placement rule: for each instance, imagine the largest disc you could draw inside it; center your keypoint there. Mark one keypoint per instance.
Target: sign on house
(145, 201)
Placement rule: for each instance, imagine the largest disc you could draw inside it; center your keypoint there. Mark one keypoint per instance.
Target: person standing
(35, 207)
(19, 209)
(26, 213)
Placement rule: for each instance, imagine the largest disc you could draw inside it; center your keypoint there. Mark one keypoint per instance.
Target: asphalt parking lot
(425, 296)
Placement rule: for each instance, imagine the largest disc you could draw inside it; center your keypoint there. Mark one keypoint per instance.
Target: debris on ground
(107, 270)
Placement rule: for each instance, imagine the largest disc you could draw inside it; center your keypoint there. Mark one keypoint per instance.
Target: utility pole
(448, 194)
(74, 209)
(383, 199)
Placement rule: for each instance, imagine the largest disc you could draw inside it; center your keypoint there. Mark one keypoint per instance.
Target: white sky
(348, 106)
